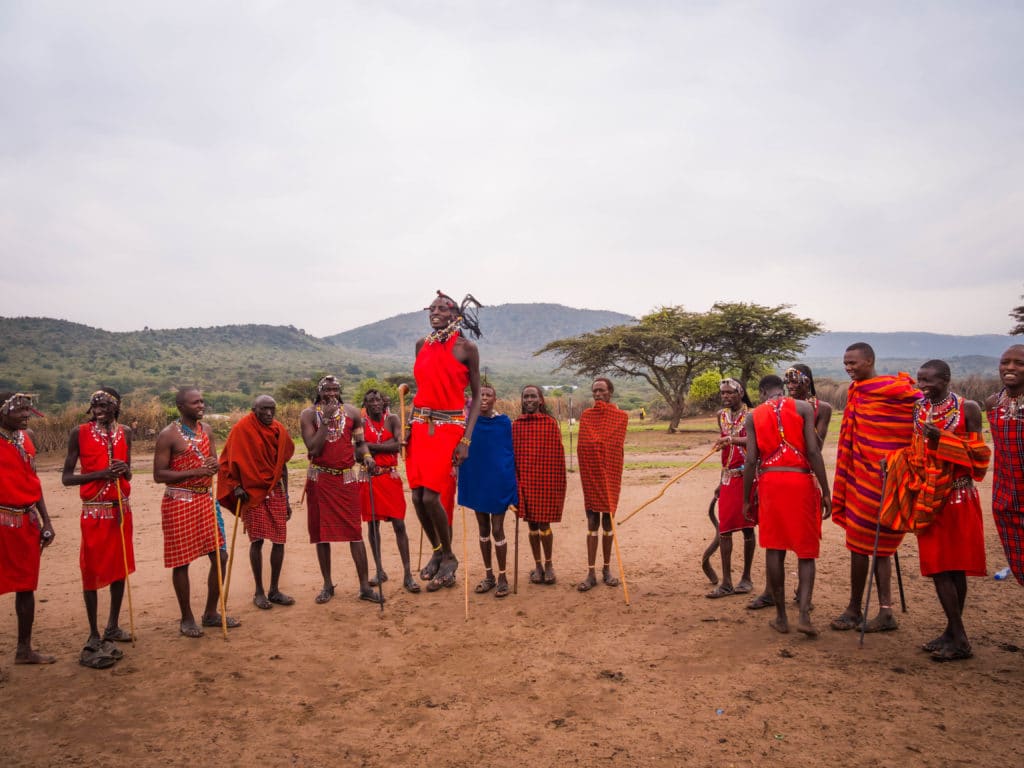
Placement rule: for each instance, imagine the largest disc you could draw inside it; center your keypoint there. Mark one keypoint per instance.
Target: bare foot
(33, 657)
(779, 625)
(806, 628)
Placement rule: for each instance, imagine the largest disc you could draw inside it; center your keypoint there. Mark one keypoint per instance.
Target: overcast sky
(328, 164)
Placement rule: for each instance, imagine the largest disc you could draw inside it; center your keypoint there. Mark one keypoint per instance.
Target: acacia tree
(1017, 313)
(666, 348)
(749, 337)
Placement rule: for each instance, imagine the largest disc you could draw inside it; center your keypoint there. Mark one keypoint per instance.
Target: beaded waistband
(16, 510)
(348, 474)
(963, 482)
(15, 517)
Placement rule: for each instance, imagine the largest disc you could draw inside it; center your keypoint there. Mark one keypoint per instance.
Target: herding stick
(231, 558)
(668, 485)
(874, 556)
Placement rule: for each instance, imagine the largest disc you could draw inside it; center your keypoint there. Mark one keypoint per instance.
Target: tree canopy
(669, 347)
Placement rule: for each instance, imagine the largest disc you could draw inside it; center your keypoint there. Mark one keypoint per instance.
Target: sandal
(502, 590)
(431, 568)
(261, 602)
(549, 573)
(445, 576)
(410, 585)
(94, 657)
(761, 601)
(277, 597)
(537, 576)
(952, 654)
(587, 584)
(882, 624)
(214, 620)
(117, 635)
(720, 591)
(608, 579)
(325, 595)
(845, 622)
(486, 585)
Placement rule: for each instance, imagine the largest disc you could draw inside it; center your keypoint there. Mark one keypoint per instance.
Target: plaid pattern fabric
(1010, 524)
(1008, 467)
(268, 520)
(100, 556)
(601, 449)
(540, 467)
(334, 509)
(190, 526)
(878, 420)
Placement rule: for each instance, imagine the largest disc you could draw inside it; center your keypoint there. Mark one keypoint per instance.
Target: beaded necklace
(335, 424)
(108, 439)
(17, 439)
(1012, 407)
(377, 432)
(732, 426)
(443, 334)
(944, 414)
(191, 437)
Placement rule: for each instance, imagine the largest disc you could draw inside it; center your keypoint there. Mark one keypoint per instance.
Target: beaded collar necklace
(1012, 407)
(375, 430)
(443, 334)
(335, 425)
(17, 439)
(191, 437)
(944, 414)
(733, 425)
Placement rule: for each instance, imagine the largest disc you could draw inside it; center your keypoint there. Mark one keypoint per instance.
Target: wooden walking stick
(668, 485)
(465, 560)
(899, 581)
(220, 572)
(705, 561)
(403, 389)
(124, 554)
(618, 556)
(874, 556)
(515, 564)
(375, 547)
(231, 555)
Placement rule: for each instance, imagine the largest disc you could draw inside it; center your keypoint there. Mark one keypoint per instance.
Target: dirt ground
(545, 677)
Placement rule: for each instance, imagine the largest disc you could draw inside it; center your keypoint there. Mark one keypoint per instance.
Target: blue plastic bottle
(1002, 575)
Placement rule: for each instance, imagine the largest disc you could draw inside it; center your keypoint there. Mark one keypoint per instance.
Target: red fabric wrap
(19, 484)
(601, 453)
(441, 380)
(540, 467)
(1008, 482)
(789, 503)
(388, 497)
(95, 446)
(268, 520)
(19, 551)
(334, 509)
(100, 556)
(254, 457)
(878, 419)
(730, 489)
(188, 518)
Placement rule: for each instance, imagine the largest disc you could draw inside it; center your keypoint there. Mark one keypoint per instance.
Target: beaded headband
(18, 400)
(103, 397)
(328, 379)
(796, 376)
(732, 384)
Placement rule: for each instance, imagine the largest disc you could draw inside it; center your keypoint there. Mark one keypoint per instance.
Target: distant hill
(511, 331)
(65, 362)
(914, 346)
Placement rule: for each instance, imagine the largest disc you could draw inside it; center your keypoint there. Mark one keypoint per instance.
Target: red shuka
(601, 453)
(254, 457)
(19, 531)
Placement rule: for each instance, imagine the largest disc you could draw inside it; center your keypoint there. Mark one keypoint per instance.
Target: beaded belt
(729, 474)
(101, 510)
(187, 492)
(14, 517)
(963, 482)
(348, 474)
(363, 474)
(432, 416)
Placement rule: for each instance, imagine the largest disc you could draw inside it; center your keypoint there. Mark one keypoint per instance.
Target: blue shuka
(487, 478)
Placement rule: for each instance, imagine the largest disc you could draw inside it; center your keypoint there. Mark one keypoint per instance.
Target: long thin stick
(375, 547)
(874, 558)
(899, 581)
(515, 564)
(465, 560)
(231, 557)
(124, 554)
(220, 572)
(668, 485)
(618, 555)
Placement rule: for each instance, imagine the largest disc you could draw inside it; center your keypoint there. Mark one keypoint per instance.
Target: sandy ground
(546, 677)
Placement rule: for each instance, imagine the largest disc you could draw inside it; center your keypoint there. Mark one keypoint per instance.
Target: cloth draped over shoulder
(1008, 482)
(540, 467)
(254, 457)
(602, 438)
(19, 530)
(878, 420)
(921, 478)
(487, 478)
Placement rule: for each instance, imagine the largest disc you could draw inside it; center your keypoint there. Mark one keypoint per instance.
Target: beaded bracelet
(465, 441)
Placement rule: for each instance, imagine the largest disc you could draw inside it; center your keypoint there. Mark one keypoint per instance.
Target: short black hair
(771, 381)
(179, 398)
(941, 367)
(862, 346)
